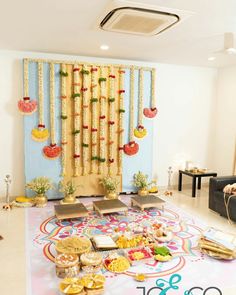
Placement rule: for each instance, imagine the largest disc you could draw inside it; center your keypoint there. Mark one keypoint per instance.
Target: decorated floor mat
(188, 268)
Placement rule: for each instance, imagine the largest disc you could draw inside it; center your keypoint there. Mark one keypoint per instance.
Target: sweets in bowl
(139, 254)
(67, 265)
(73, 245)
(91, 262)
(116, 263)
(140, 277)
(135, 241)
(161, 233)
(162, 254)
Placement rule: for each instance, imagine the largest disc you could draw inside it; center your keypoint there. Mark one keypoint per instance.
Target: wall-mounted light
(104, 47)
(211, 58)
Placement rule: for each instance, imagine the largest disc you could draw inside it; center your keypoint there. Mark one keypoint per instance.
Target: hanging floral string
(140, 131)
(76, 131)
(94, 127)
(41, 133)
(121, 116)
(25, 105)
(132, 147)
(102, 119)
(85, 106)
(151, 112)
(52, 151)
(111, 122)
(63, 74)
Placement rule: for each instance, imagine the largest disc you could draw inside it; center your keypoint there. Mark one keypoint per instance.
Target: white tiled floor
(12, 248)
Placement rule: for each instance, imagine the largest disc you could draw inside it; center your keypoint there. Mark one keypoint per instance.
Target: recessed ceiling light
(211, 58)
(104, 47)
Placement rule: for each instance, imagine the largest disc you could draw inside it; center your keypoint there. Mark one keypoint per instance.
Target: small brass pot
(111, 195)
(143, 192)
(40, 200)
(69, 199)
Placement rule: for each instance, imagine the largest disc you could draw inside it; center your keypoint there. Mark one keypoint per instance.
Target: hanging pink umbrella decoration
(151, 112)
(26, 106)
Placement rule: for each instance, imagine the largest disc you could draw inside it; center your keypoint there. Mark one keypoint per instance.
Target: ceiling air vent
(139, 21)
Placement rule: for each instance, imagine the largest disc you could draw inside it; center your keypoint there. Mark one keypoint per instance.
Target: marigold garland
(102, 117)
(40, 134)
(132, 147)
(121, 118)
(52, 151)
(85, 104)
(111, 122)
(94, 127)
(151, 112)
(63, 117)
(76, 132)
(140, 131)
(26, 106)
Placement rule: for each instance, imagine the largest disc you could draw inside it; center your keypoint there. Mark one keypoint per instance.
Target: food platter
(139, 255)
(93, 281)
(73, 245)
(116, 263)
(71, 286)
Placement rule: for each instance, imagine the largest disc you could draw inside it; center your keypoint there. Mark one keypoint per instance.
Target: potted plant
(40, 185)
(140, 181)
(110, 184)
(68, 189)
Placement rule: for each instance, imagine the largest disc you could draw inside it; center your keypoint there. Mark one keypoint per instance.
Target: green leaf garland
(63, 74)
(74, 95)
(76, 132)
(102, 79)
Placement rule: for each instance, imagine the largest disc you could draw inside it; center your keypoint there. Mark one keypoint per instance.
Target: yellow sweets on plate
(71, 286)
(73, 245)
(93, 281)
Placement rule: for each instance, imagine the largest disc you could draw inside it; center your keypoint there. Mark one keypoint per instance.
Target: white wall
(185, 98)
(225, 122)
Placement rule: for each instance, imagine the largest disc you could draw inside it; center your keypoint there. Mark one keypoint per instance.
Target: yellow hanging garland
(76, 132)
(94, 127)
(132, 147)
(52, 151)
(121, 116)
(140, 131)
(64, 74)
(40, 134)
(102, 120)
(85, 106)
(152, 112)
(26, 106)
(111, 121)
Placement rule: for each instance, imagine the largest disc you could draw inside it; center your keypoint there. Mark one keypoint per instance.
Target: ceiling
(69, 27)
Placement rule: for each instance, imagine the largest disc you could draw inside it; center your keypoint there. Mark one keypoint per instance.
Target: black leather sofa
(216, 196)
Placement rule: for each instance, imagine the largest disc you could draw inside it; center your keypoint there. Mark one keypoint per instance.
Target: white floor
(12, 247)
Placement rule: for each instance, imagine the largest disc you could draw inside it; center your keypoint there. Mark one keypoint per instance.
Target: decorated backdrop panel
(85, 121)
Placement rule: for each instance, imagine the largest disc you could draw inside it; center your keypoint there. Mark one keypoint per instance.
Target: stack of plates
(218, 244)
